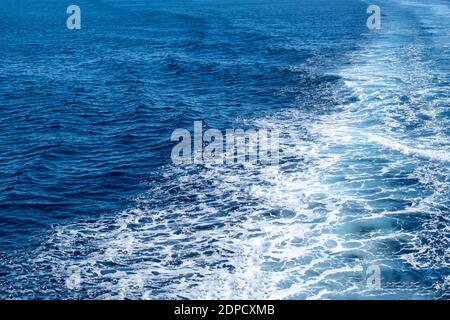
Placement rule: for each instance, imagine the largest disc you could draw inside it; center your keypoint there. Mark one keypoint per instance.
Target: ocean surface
(91, 205)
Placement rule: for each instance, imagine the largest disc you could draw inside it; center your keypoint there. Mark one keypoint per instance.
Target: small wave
(435, 155)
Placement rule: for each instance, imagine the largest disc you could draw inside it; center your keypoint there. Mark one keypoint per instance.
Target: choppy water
(88, 187)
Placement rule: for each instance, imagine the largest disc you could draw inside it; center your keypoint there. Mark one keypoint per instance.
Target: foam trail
(425, 153)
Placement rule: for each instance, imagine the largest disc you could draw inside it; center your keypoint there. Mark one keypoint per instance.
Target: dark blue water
(87, 183)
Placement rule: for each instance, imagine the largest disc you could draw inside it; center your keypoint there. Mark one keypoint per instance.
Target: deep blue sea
(92, 207)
